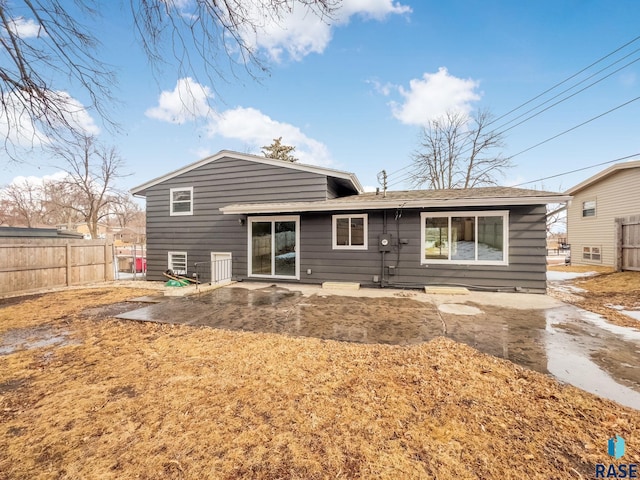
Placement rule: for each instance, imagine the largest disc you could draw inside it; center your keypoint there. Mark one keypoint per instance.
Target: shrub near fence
(28, 264)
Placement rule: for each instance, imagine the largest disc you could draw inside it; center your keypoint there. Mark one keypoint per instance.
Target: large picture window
(465, 237)
(350, 232)
(181, 202)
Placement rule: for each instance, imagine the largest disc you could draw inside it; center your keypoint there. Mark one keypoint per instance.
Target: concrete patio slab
(535, 331)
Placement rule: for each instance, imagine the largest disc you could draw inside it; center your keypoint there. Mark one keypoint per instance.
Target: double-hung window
(467, 238)
(181, 201)
(592, 253)
(589, 208)
(350, 232)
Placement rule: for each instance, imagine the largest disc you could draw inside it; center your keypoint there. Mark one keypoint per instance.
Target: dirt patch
(143, 400)
(580, 268)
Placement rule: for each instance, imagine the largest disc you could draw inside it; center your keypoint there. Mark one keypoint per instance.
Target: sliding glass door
(273, 247)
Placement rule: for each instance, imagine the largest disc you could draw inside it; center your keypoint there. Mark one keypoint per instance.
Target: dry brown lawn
(605, 290)
(140, 400)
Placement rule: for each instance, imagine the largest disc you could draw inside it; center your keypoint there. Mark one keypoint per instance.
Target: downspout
(384, 231)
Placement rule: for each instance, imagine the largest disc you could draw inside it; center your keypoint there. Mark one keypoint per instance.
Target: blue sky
(352, 95)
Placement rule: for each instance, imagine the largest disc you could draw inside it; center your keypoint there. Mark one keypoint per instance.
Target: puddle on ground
(565, 341)
(27, 338)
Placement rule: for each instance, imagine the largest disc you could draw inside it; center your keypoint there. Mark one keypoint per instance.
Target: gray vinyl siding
(615, 196)
(229, 181)
(219, 183)
(526, 269)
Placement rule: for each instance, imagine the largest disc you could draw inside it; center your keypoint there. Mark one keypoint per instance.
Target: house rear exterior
(597, 202)
(274, 220)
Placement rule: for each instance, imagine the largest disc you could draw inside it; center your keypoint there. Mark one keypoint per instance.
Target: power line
(568, 97)
(406, 176)
(566, 80)
(579, 169)
(575, 127)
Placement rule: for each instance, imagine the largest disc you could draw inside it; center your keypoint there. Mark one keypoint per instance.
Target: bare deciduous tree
(89, 186)
(457, 151)
(24, 202)
(125, 210)
(43, 42)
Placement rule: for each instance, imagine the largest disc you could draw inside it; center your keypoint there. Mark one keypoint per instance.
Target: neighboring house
(35, 233)
(287, 221)
(597, 202)
(84, 229)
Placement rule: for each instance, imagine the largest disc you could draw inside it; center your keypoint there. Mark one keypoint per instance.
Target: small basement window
(589, 208)
(177, 262)
(592, 253)
(350, 232)
(181, 202)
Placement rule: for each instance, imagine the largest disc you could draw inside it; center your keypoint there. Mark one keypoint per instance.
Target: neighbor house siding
(526, 255)
(615, 196)
(216, 184)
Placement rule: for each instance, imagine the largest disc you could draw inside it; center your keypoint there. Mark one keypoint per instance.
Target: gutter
(324, 206)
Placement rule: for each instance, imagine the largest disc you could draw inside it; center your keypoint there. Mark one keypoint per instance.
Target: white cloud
(21, 130)
(382, 88)
(188, 101)
(248, 125)
(25, 28)
(300, 31)
(40, 181)
(433, 95)
(76, 115)
(372, 9)
(255, 128)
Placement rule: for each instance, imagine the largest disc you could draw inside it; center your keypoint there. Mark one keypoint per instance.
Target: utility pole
(382, 180)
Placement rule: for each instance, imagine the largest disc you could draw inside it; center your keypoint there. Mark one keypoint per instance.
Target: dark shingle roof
(454, 198)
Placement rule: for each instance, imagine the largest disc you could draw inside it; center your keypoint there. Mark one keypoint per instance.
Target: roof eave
(602, 175)
(239, 209)
(140, 189)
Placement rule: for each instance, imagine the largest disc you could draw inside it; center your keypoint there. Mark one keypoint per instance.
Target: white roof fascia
(603, 174)
(251, 158)
(240, 209)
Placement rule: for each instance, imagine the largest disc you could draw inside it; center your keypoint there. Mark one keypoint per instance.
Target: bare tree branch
(92, 170)
(206, 38)
(456, 151)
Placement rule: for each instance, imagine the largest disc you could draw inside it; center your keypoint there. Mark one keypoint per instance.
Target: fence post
(68, 263)
(618, 244)
(106, 261)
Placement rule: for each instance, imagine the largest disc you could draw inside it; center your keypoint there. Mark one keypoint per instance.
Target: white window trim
(591, 254)
(334, 234)
(595, 209)
(488, 213)
(170, 263)
(180, 189)
(287, 218)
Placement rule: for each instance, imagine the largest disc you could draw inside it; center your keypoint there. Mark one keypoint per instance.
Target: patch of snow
(627, 333)
(554, 276)
(635, 314)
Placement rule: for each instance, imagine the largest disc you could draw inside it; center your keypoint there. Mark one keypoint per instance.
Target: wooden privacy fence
(628, 243)
(27, 265)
